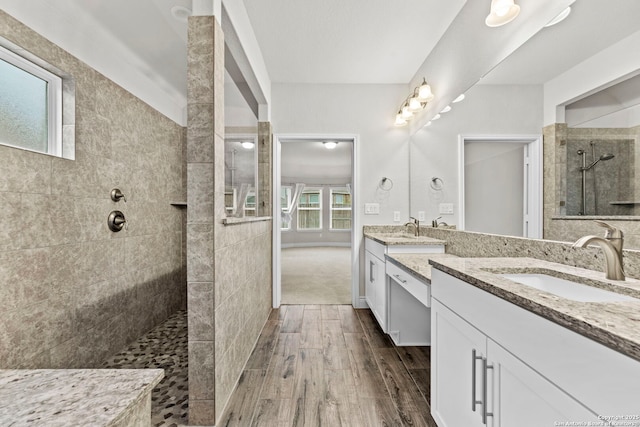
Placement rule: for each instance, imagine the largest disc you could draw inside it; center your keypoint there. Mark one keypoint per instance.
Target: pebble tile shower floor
(164, 347)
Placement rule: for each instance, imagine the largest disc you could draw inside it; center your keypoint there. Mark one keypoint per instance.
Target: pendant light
(502, 12)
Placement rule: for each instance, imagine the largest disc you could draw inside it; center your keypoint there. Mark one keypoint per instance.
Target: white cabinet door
(457, 351)
(376, 289)
(519, 396)
(369, 278)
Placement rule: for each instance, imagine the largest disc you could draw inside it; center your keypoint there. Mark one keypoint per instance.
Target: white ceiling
(354, 41)
(310, 160)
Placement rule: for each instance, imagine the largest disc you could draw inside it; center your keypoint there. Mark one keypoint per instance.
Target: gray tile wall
(73, 292)
(228, 266)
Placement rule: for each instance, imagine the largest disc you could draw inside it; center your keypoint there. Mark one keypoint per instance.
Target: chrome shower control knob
(116, 221)
(116, 195)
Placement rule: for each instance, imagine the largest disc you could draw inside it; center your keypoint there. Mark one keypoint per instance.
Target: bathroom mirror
(603, 125)
(240, 151)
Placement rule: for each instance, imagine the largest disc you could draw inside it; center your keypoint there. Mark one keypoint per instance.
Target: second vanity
(399, 298)
(509, 354)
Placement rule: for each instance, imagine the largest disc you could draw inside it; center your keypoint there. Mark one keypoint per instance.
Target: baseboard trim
(317, 244)
(362, 303)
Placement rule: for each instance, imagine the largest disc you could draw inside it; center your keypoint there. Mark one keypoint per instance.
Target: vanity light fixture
(446, 109)
(502, 12)
(247, 145)
(560, 17)
(414, 103)
(330, 145)
(459, 98)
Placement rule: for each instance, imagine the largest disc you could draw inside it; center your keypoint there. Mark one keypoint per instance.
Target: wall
(229, 264)
(73, 292)
(381, 149)
(487, 110)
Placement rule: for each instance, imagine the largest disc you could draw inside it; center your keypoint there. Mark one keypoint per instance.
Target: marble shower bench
(77, 397)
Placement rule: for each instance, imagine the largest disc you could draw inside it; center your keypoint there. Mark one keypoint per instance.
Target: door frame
(532, 221)
(276, 213)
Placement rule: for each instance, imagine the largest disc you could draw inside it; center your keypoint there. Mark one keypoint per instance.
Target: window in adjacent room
(30, 105)
(250, 204)
(340, 209)
(310, 210)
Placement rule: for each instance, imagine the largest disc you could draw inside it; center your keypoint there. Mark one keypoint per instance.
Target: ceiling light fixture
(446, 109)
(560, 17)
(459, 98)
(180, 13)
(414, 103)
(247, 145)
(429, 123)
(436, 117)
(330, 145)
(502, 12)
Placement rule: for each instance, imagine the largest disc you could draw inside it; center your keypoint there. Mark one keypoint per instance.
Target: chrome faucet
(611, 245)
(416, 225)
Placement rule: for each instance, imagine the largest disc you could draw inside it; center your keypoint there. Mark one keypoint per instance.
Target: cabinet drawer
(421, 291)
(378, 250)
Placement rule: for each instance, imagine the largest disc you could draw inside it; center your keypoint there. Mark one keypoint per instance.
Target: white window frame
(319, 209)
(342, 190)
(54, 100)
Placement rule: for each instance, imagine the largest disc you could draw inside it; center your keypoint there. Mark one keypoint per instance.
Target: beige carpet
(320, 275)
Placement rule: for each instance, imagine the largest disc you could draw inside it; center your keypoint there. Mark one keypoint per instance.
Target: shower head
(604, 157)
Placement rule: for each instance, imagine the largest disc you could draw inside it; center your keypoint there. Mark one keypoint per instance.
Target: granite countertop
(70, 397)
(614, 324)
(391, 239)
(417, 264)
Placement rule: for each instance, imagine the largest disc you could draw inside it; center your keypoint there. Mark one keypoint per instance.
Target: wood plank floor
(330, 365)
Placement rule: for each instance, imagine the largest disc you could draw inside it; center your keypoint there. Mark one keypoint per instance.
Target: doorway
(314, 220)
(501, 185)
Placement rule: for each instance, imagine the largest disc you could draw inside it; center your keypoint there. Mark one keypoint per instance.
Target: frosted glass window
(30, 105)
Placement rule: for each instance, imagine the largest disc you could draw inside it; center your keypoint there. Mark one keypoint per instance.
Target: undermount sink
(566, 288)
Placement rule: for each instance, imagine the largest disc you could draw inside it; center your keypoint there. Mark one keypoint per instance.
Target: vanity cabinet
(376, 287)
(409, 320)
(496, 364)
(376, 281)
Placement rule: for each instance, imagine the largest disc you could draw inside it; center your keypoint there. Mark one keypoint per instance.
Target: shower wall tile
(232, 258)
(200, 315)
(73, 291)
(24, 171)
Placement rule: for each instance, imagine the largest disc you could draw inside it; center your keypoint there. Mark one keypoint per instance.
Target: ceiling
(355, 41)
(309, 159)
(306, 41)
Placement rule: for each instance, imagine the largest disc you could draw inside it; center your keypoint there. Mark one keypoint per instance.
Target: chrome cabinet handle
(485, 410)
(371, 272)
(397, 276)
(474, 357)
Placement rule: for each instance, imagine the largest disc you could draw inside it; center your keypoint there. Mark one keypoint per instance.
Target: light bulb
(415, 104)
(501, 7)
(330, 145)
(424, 91)
(247, 145)
(406, 112)
(400, 121)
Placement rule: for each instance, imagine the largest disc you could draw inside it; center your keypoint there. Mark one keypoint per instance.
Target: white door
(522, 397)
(457, 350)
(501, 185)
